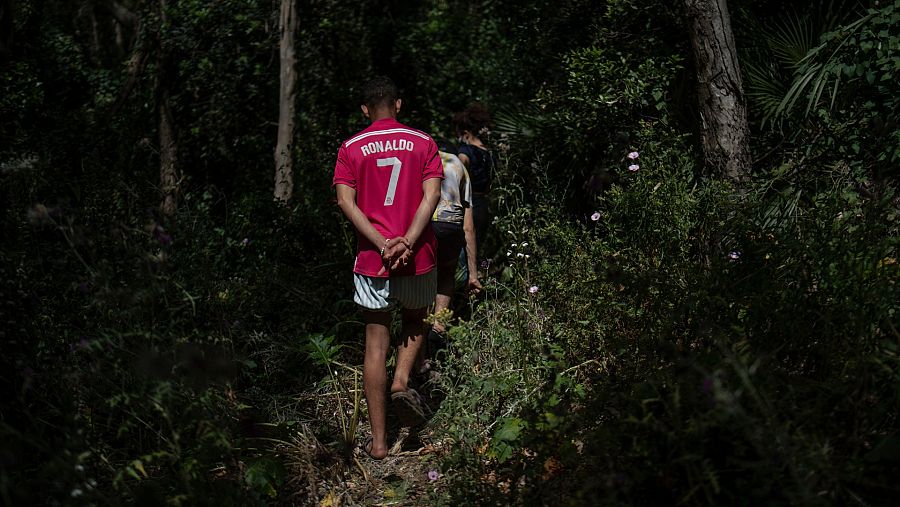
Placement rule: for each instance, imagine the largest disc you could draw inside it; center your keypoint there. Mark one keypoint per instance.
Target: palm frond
(791, 38)
(816, 70)
(765, 86)
(524, 122)
(783, 211)
(800, 83)
(779, 68)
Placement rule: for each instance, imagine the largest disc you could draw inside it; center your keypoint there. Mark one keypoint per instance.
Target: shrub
(686, 347)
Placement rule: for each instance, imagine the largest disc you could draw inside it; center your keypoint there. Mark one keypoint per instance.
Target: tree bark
(122, 15)
(126, 25)
(95, 38)
(284, 165)
(169, 178)
(723, 111)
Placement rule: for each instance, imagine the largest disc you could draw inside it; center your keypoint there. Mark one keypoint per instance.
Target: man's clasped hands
(395, 253)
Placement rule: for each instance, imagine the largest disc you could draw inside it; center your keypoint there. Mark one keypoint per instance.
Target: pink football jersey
(386, 164)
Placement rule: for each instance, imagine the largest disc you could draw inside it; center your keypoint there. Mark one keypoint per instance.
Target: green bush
(684, 347)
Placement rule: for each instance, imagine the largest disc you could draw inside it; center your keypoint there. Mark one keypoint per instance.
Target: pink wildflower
(633, 155)
(633, 167)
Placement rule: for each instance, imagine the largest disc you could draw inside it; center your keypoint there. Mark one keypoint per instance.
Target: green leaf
(502, 451)
(266, 475)
(322, 349)
(509, 430)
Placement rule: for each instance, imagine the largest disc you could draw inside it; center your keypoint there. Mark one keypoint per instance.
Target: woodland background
(707, 329)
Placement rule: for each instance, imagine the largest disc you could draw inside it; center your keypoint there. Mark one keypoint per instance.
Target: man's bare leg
(411, 339)
(378, 342)
(446, 281)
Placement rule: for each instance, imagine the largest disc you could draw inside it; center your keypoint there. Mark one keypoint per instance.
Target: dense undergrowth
(684, 343)
(647, 336)
(687, 346)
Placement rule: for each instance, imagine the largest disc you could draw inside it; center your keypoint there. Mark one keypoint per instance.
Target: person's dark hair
(474, 118)
(379, 91)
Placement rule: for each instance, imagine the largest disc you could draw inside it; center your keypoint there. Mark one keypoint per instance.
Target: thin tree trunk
(124, 16)
(284, 165)
(95, 38)
(125, 25)
(6, 28)
(120, 39)
(720, 90)
(169, 179)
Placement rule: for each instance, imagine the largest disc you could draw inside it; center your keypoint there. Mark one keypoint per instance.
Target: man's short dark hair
(379, 91)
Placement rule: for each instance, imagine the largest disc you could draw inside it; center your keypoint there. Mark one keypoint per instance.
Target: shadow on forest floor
(323, 470)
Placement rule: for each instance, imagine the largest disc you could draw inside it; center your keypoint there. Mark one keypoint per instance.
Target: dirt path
(327, 475)
(406, 477)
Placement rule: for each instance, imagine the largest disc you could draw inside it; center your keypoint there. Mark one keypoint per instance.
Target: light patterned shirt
(456, 191)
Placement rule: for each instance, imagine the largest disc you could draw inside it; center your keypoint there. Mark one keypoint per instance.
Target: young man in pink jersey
(388, 181)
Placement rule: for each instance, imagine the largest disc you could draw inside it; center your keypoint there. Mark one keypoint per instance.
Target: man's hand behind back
(397, 252)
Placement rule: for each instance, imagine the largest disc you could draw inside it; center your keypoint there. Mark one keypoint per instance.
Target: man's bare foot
(374, 452)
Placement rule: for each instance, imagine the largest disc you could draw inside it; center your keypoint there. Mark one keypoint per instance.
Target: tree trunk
(169, 179)
(6, 28)
(723, 110)
(125, 25)
(284, 165)
(95, 39)
(122, 15)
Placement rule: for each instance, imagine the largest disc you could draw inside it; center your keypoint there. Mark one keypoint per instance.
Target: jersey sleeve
(344, 172)
(465, 149)
(467, 188)
(433, 166)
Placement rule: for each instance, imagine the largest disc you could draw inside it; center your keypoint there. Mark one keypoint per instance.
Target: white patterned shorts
(385, 294)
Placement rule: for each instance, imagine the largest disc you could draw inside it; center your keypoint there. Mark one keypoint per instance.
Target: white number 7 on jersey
(395, 175)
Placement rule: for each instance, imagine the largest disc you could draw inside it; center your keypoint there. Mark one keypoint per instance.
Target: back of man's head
(378, 92)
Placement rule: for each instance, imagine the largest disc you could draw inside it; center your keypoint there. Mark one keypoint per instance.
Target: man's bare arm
(393, 248)
(431, 189)
(398, 254)
(473, 285)
(346, 198)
